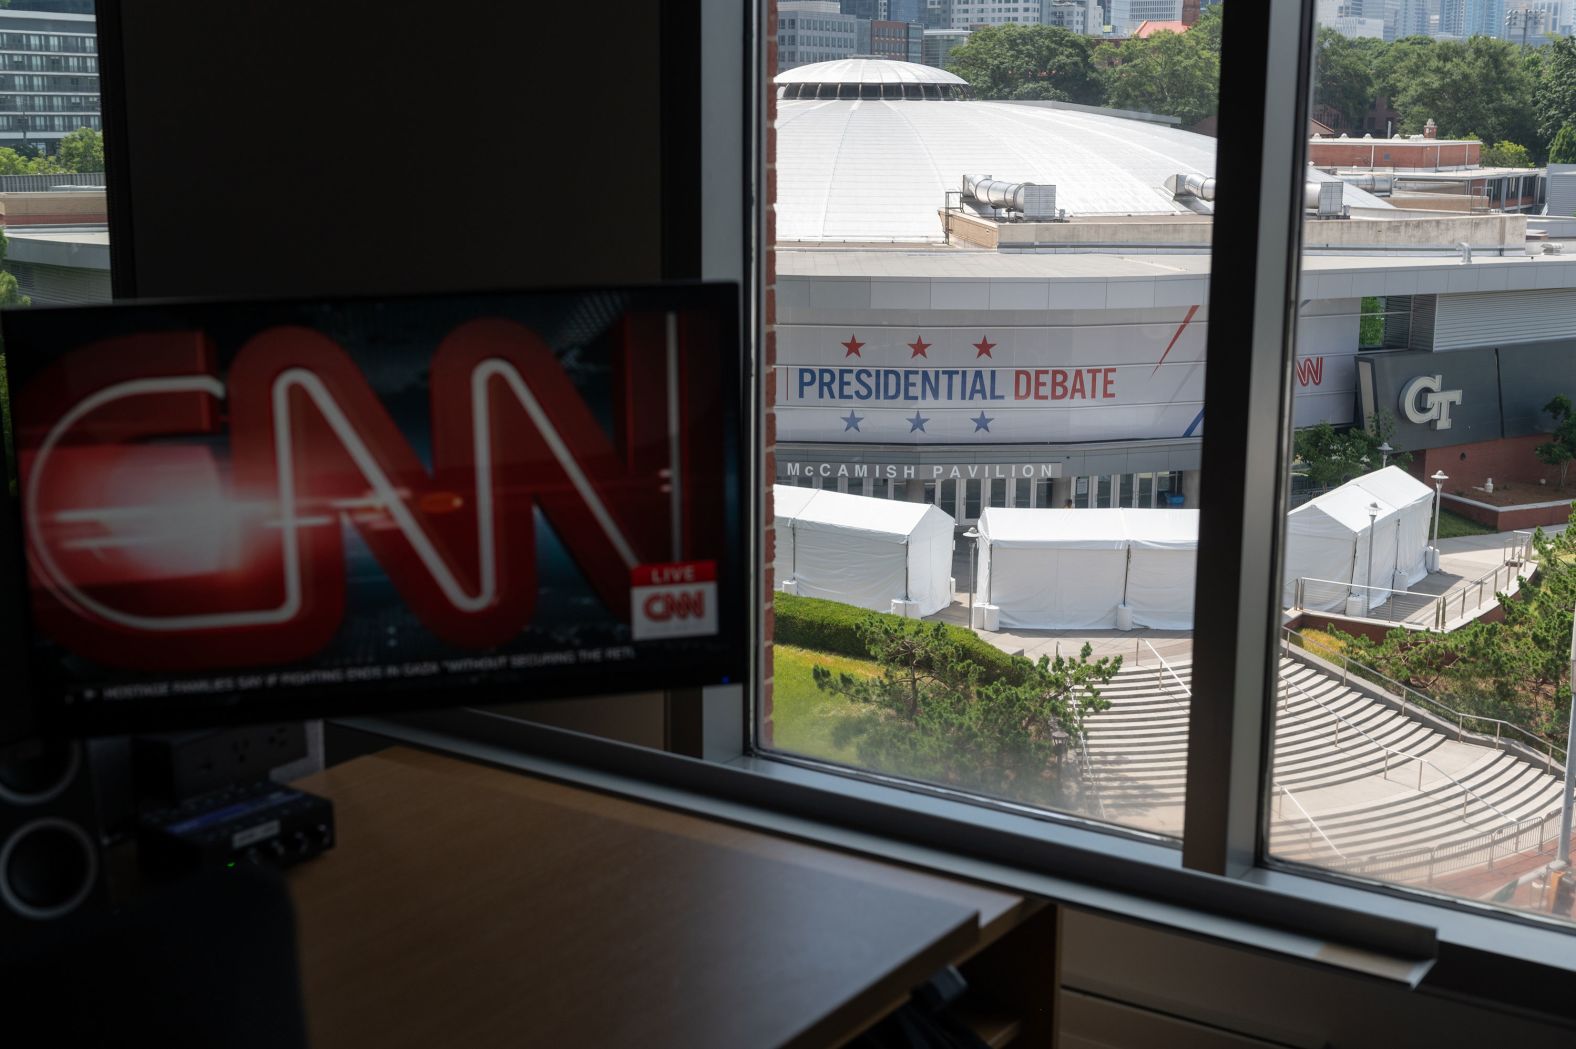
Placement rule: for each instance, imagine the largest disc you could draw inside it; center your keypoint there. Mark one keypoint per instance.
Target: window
(1399, 757)
(1054, 369)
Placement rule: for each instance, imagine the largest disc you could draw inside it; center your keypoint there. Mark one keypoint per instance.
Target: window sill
(1380, 932)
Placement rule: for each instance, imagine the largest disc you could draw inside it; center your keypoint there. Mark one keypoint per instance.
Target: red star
(919, 346)
(984, 346)
(852, 346)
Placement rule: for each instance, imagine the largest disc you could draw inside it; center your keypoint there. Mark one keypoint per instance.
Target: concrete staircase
(1340, 799)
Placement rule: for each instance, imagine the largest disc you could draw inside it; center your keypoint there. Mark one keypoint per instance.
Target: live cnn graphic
(226, 491)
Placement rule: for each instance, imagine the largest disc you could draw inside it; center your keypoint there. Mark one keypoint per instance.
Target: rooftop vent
(1027, 200)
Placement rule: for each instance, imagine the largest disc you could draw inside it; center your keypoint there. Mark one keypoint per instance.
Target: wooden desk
(472, 907)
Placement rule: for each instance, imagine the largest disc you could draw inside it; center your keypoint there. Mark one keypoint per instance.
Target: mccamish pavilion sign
(920, 471)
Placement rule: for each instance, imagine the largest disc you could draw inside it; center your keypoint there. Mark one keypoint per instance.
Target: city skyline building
(1467, 18)
(814, 31)
(1127, 15)
(49, 77)
(967, 14)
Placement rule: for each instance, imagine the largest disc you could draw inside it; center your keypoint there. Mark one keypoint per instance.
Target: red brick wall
(1363, 152)
(768, 372)
(1510, 460)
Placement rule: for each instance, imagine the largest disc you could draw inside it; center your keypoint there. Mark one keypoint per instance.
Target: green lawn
(803, 716)
(1453, 525)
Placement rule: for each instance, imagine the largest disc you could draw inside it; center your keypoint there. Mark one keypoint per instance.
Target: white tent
(862, 551)
(1414, 504)
(1070, 569)
(1328, 539)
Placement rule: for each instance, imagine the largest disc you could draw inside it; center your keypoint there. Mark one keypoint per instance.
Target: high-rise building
(49, 79)
(903, 41)
(910, 11)
(1127, 15)
(968, 14)
(1404, 18)
(813, 31)
(1079, 16)
(1535, 22)
(937, 14)
(939, 44)
(869, 10)
(1464, 18)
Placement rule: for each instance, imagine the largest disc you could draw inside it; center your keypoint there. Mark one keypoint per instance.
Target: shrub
(830, 626)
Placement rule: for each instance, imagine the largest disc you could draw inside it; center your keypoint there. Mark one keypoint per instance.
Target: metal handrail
(1460, 716)
(1440, 602)
(1093, 775)
(1440, 619)
(1466, 791)
(1311, 822)
(1167, 668)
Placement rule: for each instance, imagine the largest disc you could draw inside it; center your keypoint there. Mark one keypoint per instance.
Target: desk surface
(464, 905)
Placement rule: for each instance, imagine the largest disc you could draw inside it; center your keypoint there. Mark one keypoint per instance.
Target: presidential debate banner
(1092, 381)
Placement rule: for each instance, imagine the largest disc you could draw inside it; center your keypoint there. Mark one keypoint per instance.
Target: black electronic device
(58, 860)
(230, 512)
(174, 766)
(257, 823)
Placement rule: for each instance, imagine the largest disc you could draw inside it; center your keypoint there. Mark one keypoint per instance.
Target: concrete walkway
(1463, 561)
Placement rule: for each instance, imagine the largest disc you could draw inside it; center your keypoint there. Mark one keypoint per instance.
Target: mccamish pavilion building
(1005, 304)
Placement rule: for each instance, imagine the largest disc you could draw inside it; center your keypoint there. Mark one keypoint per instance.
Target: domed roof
(867, 71)
(863, 170)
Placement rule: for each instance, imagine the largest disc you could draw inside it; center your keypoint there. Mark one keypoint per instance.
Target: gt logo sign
(1423, 401)
(674, 600)
(187, 508)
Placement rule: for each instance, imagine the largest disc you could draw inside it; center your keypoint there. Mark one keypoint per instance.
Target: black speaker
(54, 829)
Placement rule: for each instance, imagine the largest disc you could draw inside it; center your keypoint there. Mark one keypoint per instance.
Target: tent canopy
(1069, 569)
(1328, 539)
(863, 551)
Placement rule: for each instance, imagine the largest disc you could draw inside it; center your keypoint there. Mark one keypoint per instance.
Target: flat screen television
(225, 511)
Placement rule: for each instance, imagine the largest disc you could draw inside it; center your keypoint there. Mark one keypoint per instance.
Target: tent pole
(990, 573)
(1127, 571)
(793, 548)
(905, 569)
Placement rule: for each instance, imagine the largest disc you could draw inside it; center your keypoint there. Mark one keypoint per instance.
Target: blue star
(917, 423)
(981, 423)
(852, 421)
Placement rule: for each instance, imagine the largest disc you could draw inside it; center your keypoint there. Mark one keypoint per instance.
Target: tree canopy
(934, 715)
(1330, 457)
(1467, 87)
(1173, 74)
(82, 150)
(1033, 62)
(1506, 155)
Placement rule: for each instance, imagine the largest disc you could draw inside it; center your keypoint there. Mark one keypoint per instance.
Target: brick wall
(1360, 153)
(768, 370)
(1508, 460)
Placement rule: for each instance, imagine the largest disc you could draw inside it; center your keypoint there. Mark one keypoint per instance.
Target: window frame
(1221, 883)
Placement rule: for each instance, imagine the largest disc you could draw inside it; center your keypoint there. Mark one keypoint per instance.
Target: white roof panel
(866, 71)
(879, 170)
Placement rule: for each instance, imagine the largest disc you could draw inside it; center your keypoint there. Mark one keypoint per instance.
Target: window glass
(56, 240)
(1423, 703)
(914, 335)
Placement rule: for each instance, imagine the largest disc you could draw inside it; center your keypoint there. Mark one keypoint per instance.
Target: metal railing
(1406, 694)
(1091, 775)
(1467, 793)
(1163, 669)
(1389, 605)
(1313, 827)
(1481, 850)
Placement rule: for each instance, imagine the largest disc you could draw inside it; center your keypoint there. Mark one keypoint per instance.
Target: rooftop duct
(1028, 199)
